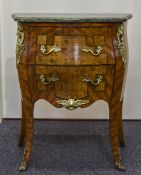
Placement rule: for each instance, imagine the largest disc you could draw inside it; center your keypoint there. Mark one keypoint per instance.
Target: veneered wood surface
(70, 84)
(71, 40)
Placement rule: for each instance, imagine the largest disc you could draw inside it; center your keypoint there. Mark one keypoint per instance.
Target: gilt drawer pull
(44, 50)
(72, 104)
(47, 80)
(96, 82)
(95, 53)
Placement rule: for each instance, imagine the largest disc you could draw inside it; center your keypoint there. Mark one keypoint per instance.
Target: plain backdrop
(1, 113)
(99, 110)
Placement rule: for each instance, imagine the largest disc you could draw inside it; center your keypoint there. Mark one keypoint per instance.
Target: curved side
(127, 60)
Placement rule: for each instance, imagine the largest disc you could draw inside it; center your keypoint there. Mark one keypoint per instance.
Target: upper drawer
(71, 45)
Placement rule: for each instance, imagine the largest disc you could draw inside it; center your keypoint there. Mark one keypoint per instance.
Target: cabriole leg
(113, 127)
(120, 127)
(28, 111)
(22, 132)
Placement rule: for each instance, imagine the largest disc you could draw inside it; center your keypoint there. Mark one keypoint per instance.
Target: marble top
(62, 17)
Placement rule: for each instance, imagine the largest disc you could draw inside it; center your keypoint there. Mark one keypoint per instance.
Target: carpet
(69, 148)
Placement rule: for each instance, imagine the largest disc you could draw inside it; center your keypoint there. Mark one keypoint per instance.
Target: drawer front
(72, 82)
(71, 45)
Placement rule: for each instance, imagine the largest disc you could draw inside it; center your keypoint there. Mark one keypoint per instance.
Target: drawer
(69, 45)
(74, 82)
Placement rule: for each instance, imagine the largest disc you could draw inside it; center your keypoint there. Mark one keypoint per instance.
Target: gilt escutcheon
(72, 104)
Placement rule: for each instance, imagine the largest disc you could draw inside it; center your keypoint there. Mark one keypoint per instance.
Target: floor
(69, 148)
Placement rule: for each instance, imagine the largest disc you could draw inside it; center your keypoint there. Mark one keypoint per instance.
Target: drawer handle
(44, 50)
(72, 104)
(95, 53)
(47, 80)
(96, 82)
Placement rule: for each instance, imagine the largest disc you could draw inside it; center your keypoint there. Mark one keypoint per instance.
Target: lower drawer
(73, 82)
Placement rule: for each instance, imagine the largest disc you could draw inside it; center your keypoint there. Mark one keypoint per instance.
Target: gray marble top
(62, 17)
